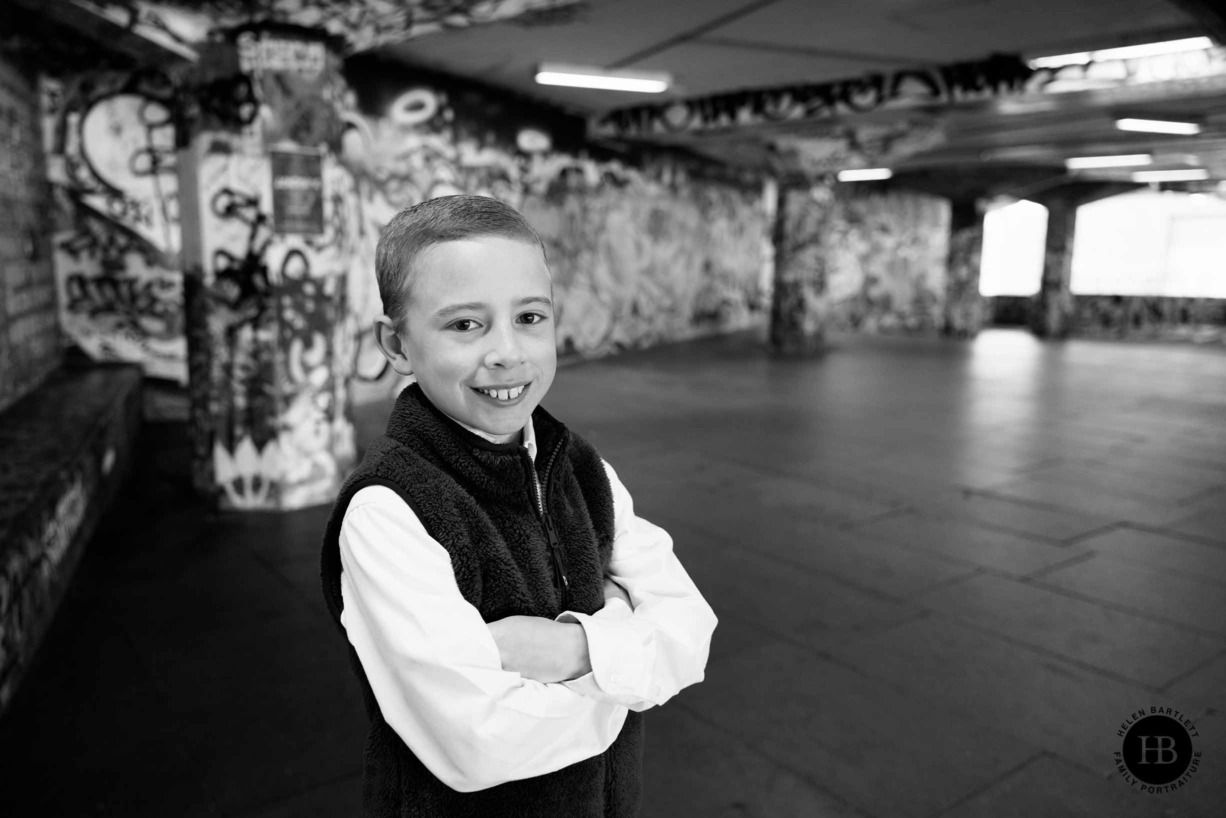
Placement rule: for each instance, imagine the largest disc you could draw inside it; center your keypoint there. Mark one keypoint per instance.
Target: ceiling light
(1188, 175)
(1123, 160)
(1158, 126)
(1127, 52)
(865, 175)
(577, 76)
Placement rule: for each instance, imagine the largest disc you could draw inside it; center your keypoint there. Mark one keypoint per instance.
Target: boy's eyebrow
(452, 309)
(474, 306)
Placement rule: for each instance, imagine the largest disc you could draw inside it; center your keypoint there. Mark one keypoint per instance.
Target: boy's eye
(464, 325)
(532, 317)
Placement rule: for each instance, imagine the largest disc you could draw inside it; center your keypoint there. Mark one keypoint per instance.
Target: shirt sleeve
(645, 656)
(434, 666)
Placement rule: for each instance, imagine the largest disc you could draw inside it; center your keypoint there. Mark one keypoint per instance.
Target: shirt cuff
(619, 657)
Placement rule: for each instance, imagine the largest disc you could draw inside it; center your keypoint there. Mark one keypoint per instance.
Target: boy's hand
(614, 591)
(541, 649)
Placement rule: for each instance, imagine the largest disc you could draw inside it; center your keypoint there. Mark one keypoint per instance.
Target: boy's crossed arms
(481, 704)
(547, 650)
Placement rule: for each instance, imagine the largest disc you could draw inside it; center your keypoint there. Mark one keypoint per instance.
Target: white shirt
(434, 666)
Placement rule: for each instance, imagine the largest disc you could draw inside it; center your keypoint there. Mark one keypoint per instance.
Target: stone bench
(64, 451)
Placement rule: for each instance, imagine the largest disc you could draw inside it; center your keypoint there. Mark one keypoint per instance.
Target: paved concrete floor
(946, 572)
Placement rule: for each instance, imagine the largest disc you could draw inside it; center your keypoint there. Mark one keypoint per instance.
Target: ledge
(64, 452)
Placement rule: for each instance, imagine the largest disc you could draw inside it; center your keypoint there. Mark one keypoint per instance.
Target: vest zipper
(555, 543)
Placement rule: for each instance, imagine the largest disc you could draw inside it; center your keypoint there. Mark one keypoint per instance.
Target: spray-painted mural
(272, 346)
(361, 26)
(1200, 320)
(639, 254)
(888, 256)
(965, 308)
(848, 260)
(110, 143)
(799, 305)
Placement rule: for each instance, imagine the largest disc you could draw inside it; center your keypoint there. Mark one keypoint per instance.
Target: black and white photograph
(612, 409)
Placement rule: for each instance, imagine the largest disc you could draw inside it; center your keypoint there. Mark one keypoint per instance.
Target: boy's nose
(506, 351)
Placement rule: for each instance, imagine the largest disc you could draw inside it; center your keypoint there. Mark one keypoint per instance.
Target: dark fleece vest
(479, 500)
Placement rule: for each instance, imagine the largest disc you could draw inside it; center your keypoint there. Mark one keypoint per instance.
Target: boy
(508, 614)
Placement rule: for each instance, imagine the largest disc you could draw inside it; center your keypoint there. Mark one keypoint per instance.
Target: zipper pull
(555, 546)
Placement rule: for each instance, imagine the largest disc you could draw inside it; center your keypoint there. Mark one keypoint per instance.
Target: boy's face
(479, 331)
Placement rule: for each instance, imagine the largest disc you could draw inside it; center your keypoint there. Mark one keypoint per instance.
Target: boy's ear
(392, 347)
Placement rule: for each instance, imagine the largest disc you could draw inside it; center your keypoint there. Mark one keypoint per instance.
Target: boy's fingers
(614, 591)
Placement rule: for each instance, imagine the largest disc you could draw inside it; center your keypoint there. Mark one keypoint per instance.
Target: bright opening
(1014, 236)
(1149, 243)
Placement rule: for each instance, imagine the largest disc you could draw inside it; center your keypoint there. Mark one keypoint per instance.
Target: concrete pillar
(798, 303)
(965, 308)
(1053, 312)
(266, 249)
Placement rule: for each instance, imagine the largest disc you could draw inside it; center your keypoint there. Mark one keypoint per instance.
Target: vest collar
(417, 423)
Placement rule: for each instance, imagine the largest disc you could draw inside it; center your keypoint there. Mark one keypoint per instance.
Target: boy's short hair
(434, 221)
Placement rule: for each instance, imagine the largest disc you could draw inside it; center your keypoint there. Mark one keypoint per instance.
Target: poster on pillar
(297, 191)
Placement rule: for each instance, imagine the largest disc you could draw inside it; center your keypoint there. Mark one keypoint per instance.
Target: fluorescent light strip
(1158, 126)
(603, 81)
(1189, 175)
(1124, 160)
(865, 175)
(1127, 52)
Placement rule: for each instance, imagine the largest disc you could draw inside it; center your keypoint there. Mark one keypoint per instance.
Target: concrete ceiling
(713, 46)
(719, 46)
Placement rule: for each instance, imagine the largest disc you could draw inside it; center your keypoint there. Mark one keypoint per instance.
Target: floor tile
(1056, 789)
(874, 741)
(713, 773)
(1127, 645)
(1045, 701)
(804, 604)
(1204, 688)
(1199, 605)
(1162, 551)
(969, 543)
(332, 800)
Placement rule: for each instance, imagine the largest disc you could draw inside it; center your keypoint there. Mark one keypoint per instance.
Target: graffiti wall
(857, 261)
(640, 253)
(888, 254)
(110, 142)
(29, 341)
(1200, 320)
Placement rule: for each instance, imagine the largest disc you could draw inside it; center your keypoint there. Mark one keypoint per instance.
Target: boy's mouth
(509, 395)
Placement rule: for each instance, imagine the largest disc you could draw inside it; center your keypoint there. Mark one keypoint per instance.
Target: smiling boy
(509, 615)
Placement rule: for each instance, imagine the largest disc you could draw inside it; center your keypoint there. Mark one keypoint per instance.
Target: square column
(965, 308)
(1052, 316)
(268, 241)
(798, 303)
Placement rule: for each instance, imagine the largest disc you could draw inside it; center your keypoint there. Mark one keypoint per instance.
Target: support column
(965, 308)
(798, 304)
(267, 244)
(1053, 310)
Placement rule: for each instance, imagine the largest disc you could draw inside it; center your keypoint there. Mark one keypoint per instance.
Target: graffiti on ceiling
(360, 26)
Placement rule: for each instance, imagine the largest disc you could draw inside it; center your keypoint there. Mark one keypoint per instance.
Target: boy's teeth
(504, 394)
